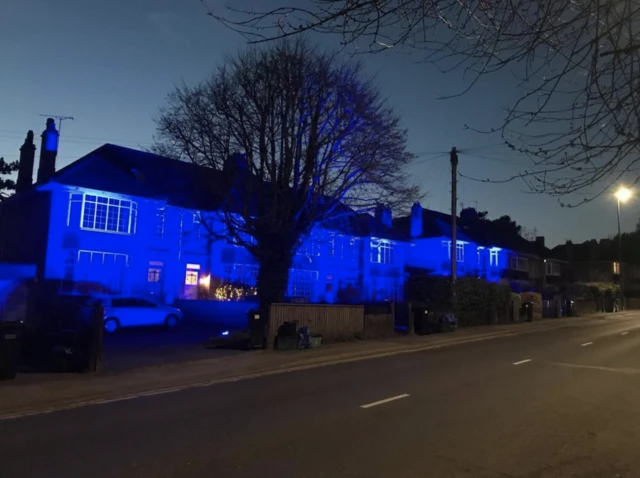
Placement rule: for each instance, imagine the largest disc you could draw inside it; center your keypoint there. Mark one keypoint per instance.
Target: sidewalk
(36, 393)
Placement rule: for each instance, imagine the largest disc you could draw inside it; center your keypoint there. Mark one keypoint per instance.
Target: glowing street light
(622, 195)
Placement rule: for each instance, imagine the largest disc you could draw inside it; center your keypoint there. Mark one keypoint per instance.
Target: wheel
(171, 322)
(111, 325)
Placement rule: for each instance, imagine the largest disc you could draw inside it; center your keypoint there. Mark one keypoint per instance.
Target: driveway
(149, 346)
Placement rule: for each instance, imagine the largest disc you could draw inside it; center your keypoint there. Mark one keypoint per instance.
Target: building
(480, 251)
(121, 221)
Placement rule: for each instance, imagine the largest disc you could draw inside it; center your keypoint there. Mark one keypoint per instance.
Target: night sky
(110, 65)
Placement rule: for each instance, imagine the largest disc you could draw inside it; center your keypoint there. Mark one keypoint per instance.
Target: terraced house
(122, 221)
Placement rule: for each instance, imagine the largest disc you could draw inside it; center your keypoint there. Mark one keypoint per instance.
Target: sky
(111, 64)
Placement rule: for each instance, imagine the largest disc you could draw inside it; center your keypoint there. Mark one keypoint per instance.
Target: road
(559, 403)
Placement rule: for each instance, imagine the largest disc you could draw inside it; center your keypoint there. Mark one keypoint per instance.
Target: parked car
(138, 312)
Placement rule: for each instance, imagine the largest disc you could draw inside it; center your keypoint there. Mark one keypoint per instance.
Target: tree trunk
(273, 276)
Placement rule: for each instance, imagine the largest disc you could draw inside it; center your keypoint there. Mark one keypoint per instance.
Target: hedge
(478, 302)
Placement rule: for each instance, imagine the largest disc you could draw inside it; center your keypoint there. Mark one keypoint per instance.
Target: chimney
(383, 214)
(48, 152)
(416, 220)
(540, 241)
(25, 166)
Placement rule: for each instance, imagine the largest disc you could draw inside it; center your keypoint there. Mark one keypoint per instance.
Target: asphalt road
(562, 403)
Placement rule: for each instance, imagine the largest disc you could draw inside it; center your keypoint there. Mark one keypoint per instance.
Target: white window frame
(382, 251)
(519, 263)
(552, 268)
(303, 278)
(104, 255)
(616, 268)
(459, 250)
(494, 257)
(117, 204)
(74, 198)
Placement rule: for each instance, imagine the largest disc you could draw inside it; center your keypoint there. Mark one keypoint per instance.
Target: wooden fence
(331, 321)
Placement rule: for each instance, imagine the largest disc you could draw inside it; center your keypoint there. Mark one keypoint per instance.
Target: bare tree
(577, 62)
(316, 140)
(7, 186)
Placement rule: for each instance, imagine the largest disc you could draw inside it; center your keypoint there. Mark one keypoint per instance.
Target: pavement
(561, 402)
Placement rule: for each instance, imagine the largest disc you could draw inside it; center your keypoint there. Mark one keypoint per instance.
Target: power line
(74, 139)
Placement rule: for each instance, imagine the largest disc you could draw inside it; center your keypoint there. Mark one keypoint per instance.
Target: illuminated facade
(120, 221)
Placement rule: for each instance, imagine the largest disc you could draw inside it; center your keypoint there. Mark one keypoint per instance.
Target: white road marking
(624, 333)
(522, 361)
(586, 343)
(386, 400)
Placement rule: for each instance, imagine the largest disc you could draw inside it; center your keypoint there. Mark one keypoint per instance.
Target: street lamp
(622, 195)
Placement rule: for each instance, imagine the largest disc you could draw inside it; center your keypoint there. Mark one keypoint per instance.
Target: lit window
(108, 214)
(381, 251)
(191, 278)
(153, 275)
(493, 257)
(616, 268)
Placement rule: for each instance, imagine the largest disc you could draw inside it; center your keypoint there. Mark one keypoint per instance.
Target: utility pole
(60, 120)
(454, 214)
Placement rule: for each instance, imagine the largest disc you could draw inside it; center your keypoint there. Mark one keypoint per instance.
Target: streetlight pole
(620, 254)
(622, 195)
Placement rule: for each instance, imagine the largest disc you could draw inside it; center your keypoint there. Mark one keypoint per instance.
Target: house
(122, 221)
(480, 251)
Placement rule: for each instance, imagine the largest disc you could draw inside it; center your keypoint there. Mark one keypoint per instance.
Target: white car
(138, 312)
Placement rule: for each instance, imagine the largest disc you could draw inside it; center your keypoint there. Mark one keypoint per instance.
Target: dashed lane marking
(386, 400)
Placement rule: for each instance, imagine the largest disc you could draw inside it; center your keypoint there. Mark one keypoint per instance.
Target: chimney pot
(416, 220)
(25, 165)
(48, 152)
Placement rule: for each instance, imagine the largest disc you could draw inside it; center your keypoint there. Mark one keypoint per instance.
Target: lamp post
(622, 195)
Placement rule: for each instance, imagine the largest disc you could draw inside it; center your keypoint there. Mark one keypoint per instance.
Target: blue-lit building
(121, 221)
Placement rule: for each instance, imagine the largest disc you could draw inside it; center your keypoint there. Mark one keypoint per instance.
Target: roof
(138, 173)
(132, 172)
(438, 224)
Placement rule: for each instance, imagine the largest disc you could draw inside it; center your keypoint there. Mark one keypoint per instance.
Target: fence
(379, 321)
(331, 321)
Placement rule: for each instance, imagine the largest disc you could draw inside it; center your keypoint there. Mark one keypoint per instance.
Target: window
(616, 268)
(244, 274)
(153, 275)
(519, 263)
(459, 250)
(354, 250)
(160, 218)
(105, 214)
(552, 268)
(75, 201)
(493, 257)
(309, 247)
(381, 251)
(301, 283)
(191, 278)
(102, 258)
(197, 224)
